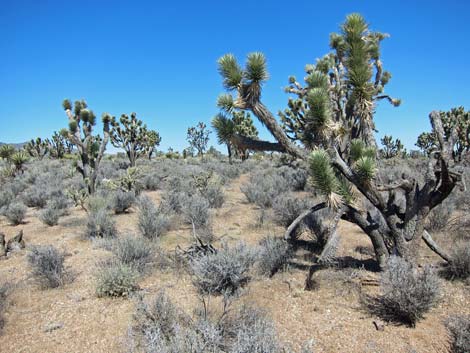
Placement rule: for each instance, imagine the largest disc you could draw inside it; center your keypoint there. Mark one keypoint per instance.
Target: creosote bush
(15, 213)
(100, 225)
(273, 256)
(224, 272)
(406, 293)
(459, 330)
(116, 279)
(152, 223)
(47, 265)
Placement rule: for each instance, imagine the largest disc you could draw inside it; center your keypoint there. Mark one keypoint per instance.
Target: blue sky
(159, 58)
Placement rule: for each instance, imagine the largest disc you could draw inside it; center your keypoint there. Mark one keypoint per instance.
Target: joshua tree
(57, 145)
(334, 113)
(153, 140)
(391, 148)
(37, 148)
(90, 147)
(456, 120)
(198, 137)
(237, 132)
(133, 137)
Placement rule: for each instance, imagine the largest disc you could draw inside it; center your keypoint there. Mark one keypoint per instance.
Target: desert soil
(73, 319)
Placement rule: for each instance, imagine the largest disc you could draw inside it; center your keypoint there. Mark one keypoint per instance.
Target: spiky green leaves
(358, 149)
(224, 128)
(319, 108)
(323, 175)
(255, 70)
(225, 102)
(365, 169)
(67, 104)
(233, 75)
(231, 72)
(363, 160)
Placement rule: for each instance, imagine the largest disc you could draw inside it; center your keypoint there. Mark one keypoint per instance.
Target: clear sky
(158, 58)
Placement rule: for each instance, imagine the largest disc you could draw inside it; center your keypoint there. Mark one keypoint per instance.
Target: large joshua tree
(90, 148)
(132, 135)
(331, 116)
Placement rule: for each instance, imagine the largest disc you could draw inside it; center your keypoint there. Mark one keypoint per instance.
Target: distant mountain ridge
(16, 145)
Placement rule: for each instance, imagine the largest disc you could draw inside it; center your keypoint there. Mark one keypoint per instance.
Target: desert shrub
(6, 197)
(36, 196)
(295, 178)
(224, 272)
(273, 256)
(47, 265)
(60, 203)
(4, 289)
(152, 223)
(459, 330)
(116, 279)
(159, 315)
(121, 201)
(161, 327)
(439, 217)
(132, 251)
(15, 212)
(287, 208)
(98, 202)
(152, 181)
(254, 332)
(100, 225)
(459, 267)
(175, 200)
(196, 212)
(214, 195)
(50, 216)
(406, 293)
(263, 188)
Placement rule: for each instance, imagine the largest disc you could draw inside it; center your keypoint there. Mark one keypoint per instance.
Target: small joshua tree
(391, 148)
(38, 148)
(238, 132)
(153, 140)
(90, 147)
(133, 137)
(456, 121)
(333, 113)
(198, 137)
(59, 145)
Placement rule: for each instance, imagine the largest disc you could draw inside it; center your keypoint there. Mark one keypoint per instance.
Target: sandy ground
(72, 318)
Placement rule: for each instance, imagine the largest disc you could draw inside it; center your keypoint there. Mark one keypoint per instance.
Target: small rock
(53, 326)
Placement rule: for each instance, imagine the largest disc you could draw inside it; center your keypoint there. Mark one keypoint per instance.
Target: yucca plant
(19, 159)
(90, 147)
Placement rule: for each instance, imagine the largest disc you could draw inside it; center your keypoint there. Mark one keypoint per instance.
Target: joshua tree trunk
(265, 116)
